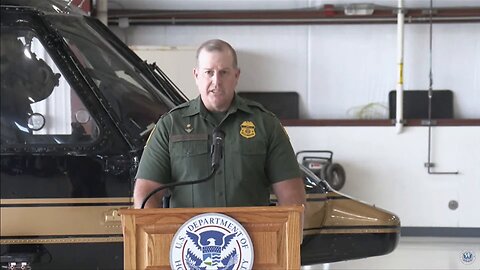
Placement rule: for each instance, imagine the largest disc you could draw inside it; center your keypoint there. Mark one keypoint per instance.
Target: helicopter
(77, 106)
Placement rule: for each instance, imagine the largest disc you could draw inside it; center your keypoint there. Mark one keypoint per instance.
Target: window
(126, 90)
(38, 106)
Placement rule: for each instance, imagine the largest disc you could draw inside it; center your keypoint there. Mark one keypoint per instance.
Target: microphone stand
(214, 170)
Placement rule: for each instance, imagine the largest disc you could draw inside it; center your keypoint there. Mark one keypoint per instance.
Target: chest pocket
(249, 169)
(189, 157)
(188, 145)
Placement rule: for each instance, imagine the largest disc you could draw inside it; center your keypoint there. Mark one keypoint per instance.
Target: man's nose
(216, 78)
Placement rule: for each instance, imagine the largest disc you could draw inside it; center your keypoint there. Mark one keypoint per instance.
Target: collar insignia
(247, 129)
(188, 128)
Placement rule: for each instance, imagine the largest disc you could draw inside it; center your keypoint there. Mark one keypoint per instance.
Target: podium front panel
(275, 233)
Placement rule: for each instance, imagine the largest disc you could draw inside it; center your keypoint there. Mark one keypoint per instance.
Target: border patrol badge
(247, 129)
(209, 242)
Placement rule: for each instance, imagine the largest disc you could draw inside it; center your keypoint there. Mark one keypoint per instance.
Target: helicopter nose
(344, 211)
(347, 229)
(349, 216)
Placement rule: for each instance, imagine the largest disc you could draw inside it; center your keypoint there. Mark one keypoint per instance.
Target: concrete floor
(418, 253)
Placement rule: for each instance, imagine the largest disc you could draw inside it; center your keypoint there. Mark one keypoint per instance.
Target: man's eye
(209, 72)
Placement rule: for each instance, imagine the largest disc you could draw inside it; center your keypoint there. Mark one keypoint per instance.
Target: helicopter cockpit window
(126, 90)
(38, 106)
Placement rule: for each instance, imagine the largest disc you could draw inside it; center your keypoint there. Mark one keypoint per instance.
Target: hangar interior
(346, 70)
(333, 71)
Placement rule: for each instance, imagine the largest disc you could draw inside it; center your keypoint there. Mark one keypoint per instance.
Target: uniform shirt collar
(196, 106)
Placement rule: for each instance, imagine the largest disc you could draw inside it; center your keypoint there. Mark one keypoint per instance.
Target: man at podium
(254, 154)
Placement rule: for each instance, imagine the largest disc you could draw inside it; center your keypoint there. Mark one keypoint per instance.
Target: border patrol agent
(257, 154)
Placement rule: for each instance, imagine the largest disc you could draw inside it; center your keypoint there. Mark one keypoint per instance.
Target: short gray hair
(218, 45)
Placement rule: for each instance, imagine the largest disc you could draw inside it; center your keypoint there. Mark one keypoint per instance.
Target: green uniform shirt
(257, 153)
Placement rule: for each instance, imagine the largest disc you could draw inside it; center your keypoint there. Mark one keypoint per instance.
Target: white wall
(176, 62)
(387, 169)
(338, 68)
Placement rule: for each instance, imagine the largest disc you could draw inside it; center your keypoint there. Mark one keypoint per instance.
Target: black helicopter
(77, 106)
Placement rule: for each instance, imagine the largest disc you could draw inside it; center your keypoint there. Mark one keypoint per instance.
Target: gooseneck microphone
(216, 155)
(216, 151)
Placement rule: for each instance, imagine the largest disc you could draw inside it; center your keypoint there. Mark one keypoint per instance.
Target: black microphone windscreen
(218, 137)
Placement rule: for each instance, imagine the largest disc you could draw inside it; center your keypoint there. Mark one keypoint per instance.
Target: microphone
(216, 154)
(216, 151)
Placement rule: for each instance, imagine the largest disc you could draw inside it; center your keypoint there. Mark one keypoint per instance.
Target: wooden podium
(275, 233)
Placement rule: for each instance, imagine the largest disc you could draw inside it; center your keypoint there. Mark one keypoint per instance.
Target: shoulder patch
(284, 130)
(149, 136)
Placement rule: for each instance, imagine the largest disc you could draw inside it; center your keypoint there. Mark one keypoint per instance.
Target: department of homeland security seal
(468, 257)
(209, 242)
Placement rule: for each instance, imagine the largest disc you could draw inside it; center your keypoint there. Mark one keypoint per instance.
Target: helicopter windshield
(126, 90)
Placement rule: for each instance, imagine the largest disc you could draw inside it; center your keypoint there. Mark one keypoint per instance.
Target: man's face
(216, 79)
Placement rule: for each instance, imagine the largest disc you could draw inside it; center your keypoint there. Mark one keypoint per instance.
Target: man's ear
(195, 73)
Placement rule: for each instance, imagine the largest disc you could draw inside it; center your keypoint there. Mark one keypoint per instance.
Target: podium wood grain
(275, 232)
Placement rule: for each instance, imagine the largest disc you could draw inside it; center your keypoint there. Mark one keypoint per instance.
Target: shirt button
(220, 194)
(220, 171)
